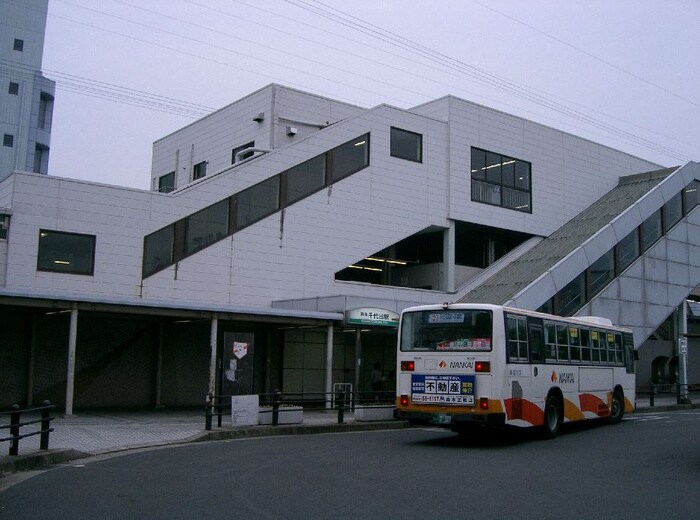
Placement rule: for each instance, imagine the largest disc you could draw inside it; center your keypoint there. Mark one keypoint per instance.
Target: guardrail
(341, 401)
(16, 423)
(668, 390)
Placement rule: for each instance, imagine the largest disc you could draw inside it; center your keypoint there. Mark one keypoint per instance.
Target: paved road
(646, 467)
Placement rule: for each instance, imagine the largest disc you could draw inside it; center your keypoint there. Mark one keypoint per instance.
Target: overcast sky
(625, 73)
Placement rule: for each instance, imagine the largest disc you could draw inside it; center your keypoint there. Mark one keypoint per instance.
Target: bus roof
(580, 320)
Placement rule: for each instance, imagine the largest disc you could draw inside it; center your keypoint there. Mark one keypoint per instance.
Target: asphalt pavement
(90, 433)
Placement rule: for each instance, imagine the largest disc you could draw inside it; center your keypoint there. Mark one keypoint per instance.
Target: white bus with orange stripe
(461, 365)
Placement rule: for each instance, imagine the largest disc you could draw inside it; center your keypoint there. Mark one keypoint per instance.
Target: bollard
(45, 425)
(14, 430)
(651, 396)
(207, 412)
(276, 400)
(340, 401)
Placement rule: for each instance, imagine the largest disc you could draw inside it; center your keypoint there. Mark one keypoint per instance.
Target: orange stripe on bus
(525, 410)
(593, 403)
(572, 412)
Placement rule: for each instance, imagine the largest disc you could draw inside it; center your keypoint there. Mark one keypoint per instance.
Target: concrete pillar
(212, 360)
(329, 366)
(159, 368)
(358, 364)
(72, 342)
(448, 257)
(683, 396)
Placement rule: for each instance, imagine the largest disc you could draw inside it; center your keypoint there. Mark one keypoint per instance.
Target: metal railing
(683, 394)
(340, 401)
(16, 424)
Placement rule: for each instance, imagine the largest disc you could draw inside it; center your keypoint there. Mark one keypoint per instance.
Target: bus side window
(574, 342)
(585, 345)
(536, 343)
(550, 342)
(595, 346)
(563, 343)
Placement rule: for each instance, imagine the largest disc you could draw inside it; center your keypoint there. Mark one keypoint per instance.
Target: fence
(342, 400)
(674, 390)
(16, 423)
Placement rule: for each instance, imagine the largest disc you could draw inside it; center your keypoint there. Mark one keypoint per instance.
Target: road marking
(646, 418)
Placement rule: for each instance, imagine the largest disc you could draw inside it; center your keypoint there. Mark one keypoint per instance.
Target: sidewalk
(95, 433)
(92, 433)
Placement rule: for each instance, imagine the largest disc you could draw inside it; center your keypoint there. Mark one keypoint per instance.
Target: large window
(257, 201)
(601, 272)
(651, 230)
(406, 145)
(628, 250)
(66, 252)
(350, 157)
(305, 179)
(199, 170)
(206, 227)
(501, 180)
(158, 249)
(166, 183)
(673, 211)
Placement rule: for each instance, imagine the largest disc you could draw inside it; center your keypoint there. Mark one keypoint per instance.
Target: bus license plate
(443, 389)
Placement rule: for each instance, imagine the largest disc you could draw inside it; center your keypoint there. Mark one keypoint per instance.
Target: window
(350, 157)
(45, 110)
(13, 88)
(4, 225)
(257, 201)
(199, 170)
(691, 196)
(158, 250)
(18, 45)
(571, 297)
(628, 250)
(206, 227)
(575, 343)
(406, 145)
(673, 211)
(651, 230)
(234, 153)
(550, 341)
(166, 183)
(66, 252)
(517, 338)
(8, 140)
(304, 179)
(601, 273)
(562, 343)
(501, 180)
(41, 158)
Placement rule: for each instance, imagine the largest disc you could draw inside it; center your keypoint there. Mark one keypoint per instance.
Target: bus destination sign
(443, 389)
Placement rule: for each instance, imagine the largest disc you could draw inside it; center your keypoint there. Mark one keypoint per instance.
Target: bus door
(519, 371)
(540, 377)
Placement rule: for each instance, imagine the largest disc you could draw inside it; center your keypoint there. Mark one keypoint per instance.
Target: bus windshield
(447, 330)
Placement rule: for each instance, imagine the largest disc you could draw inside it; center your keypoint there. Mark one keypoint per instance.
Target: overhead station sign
(372, 316)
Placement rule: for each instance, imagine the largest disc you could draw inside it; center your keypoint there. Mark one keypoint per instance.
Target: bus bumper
(451, 419)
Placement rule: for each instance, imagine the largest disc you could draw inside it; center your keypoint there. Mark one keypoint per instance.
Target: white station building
(293, 229)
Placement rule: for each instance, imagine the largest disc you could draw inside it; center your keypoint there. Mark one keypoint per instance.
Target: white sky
(625, 73)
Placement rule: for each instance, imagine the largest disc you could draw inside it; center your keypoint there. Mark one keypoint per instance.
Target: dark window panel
(406, 145)
(66, 252)
(206, 227)
(158, 250)
(258, 201)
(350, 157)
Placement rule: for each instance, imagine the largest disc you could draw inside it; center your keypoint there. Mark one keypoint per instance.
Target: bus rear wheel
(617, 410)
(553, 417)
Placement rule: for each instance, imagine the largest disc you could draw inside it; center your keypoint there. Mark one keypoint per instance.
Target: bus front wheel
(553, 417)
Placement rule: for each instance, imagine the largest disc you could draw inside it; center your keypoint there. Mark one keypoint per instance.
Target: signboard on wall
(237, 368)
(372, 316)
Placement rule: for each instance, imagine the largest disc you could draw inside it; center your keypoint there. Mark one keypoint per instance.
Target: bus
(466, 365)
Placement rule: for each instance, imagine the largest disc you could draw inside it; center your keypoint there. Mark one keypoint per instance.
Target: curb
(666, 408)
(40, 460)
(33, 461)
